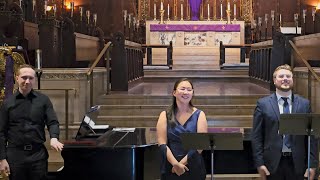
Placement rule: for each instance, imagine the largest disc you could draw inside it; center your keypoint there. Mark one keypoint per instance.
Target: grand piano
(108, 153)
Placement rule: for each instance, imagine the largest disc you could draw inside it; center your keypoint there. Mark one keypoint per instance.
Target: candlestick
(54, 10)
(129, 19)
(38, 58)
(81, 12)
(88, 16)
(72, 8)
(280, 20)
(161, 16)
(95, 18)
(235, 11)
(272, 17)
(181, 12)
(221, 18)
(266, 18)
(313, 13)
(208, 12)
(154, 12)
(168, 12)
(304, 15)
(33, 4)
(45, 7)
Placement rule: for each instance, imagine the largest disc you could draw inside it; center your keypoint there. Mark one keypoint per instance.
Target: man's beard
(284, 89)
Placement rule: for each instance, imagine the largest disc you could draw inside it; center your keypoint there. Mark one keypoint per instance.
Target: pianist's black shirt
(23, 120)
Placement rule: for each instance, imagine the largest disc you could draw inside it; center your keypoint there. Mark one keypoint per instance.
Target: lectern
(212, 141)
(300, 124)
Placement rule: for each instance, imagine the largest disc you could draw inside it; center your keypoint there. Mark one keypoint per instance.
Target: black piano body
(115, 155)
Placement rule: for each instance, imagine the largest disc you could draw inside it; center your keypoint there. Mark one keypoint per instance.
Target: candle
(72, 8)
(155, 10)
(81, 12)
(266, 17)
(304, 15)
(280, 19)
(88, 16)
(221, 11)
(168, 10)
(33, 4)
(95, 18)
(181, 11)
(45, 7)
(208, 10)
(235, 10)
(313, 14)
(54, 10)
(20, 3)
(38, 58)
(161, 5)
(228, 6)
(260, 21)
(272, 15)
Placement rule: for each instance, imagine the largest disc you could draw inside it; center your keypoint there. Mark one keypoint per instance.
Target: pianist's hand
(179, 169)
(55, 144)
(263, 171)
(4, 168)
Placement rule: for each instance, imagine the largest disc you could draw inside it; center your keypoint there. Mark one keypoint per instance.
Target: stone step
(209, 73)
(151, 121)
(147, 110)
(135, 99)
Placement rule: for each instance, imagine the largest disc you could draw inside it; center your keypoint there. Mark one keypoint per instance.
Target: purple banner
(9, 77)
(195, 27)
(195, 7)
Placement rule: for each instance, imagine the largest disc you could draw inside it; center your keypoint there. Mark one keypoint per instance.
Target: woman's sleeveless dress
(195, 164)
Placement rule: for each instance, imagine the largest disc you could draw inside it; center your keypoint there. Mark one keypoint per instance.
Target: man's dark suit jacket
(267, 142)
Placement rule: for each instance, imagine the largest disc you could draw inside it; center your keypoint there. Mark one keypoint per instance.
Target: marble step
(135, 99)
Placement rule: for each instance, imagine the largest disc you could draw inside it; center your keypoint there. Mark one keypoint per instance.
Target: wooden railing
(104, 53)
(169, 53)
(126, 63)
(266, 56)
(310, 69)
(259, 62)
(242, 47)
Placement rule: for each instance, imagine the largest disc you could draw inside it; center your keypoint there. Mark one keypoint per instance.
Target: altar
(195, 43)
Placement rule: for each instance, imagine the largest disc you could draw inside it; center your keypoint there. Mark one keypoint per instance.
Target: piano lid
(124, 137)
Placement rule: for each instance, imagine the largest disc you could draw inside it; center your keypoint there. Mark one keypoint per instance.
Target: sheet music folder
(221, 141)
(298, 124)
(87, 128)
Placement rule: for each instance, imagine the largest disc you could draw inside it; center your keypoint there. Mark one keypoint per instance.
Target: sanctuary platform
(195, 43)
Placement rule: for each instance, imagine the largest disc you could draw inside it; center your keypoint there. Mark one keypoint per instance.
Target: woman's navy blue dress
(195, 164)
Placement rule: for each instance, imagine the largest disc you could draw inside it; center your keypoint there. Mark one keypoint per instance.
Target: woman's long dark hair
(172, 109)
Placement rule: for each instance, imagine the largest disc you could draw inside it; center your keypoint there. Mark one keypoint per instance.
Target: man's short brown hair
(285, 66)
(23, 66)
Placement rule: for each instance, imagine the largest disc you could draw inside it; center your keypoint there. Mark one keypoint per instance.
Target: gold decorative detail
(18, 60)
(246, 10)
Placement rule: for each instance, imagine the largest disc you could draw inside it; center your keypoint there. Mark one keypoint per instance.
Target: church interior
(115, 62)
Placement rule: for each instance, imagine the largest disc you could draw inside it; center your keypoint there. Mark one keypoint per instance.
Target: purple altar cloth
(195, 27)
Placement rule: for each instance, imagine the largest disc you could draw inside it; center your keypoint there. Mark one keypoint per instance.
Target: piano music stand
(212, 141)
(300, 124)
